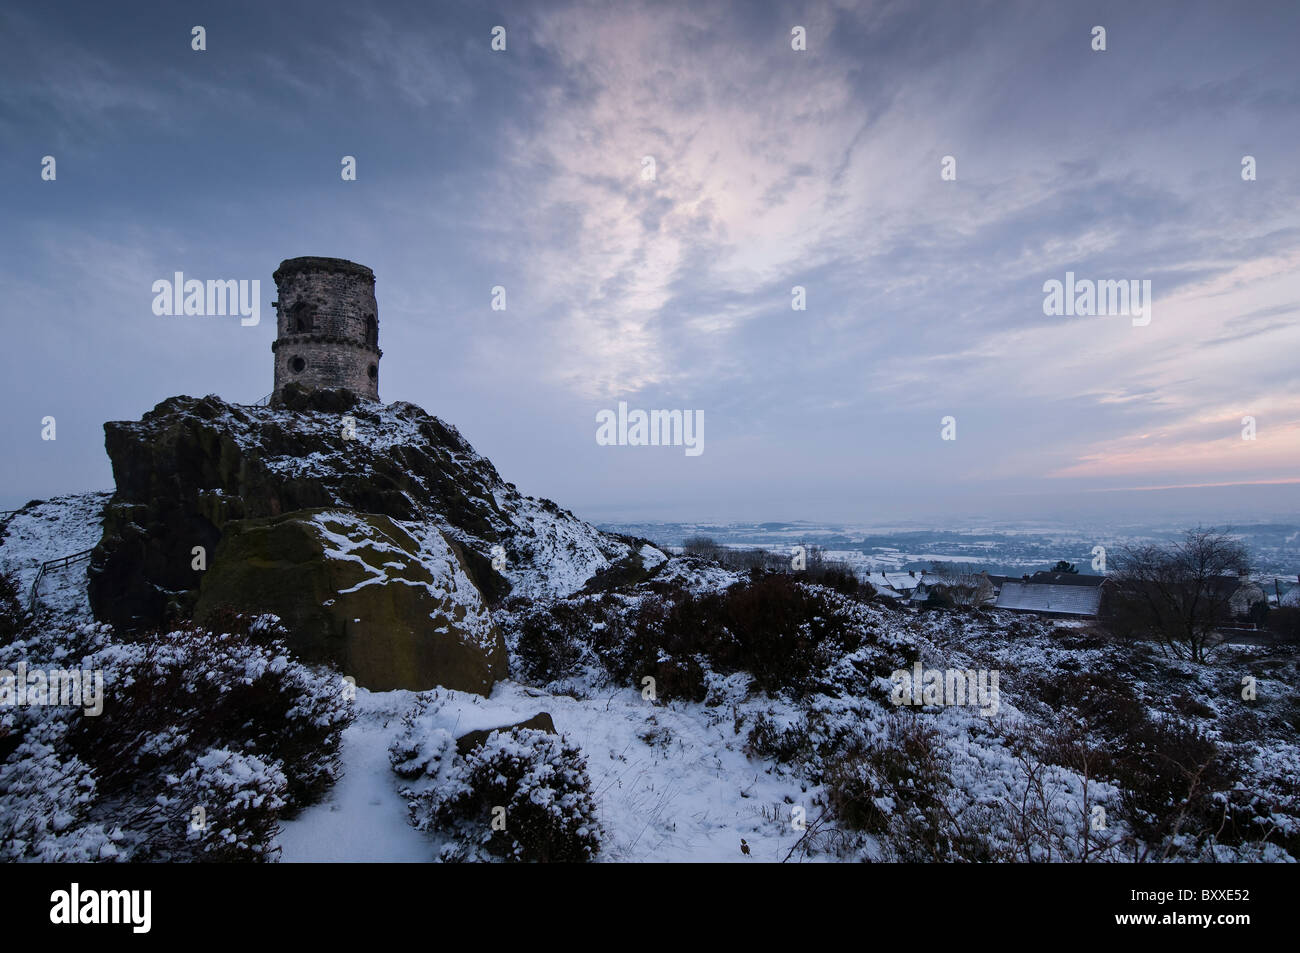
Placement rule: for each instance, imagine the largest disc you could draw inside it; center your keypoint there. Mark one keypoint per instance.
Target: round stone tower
(327, 326)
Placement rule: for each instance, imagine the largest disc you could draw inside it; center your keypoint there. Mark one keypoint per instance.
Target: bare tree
(1178, 594)
(963, 588)
(701, 546)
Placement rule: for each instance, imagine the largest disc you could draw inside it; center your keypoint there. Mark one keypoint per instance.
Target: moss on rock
(388, 602)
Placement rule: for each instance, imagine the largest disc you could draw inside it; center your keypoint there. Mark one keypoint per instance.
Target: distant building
(903, 582)
(1052, 593)
(1052, 598)
(1245, 593)
(967, 589)
(997, 582)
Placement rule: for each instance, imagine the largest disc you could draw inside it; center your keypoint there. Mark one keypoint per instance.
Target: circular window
(297, 365)
(374, 372)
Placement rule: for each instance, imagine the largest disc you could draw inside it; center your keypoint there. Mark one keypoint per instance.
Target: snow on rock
(695, 575)
(192, 465)
(651, 556)
(436, 568)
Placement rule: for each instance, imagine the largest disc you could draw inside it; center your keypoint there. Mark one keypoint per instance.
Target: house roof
(1052, 599)
(901, 580)
(1291, 597)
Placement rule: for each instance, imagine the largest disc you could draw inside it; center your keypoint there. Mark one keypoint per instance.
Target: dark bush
(1285, 623)
(1103, 701)
(13, 614)
(1169, 772)
(896, 787)
(783, 633)
(200, 689)
(939, 598)
(521, 795)
(550, 641)
(784, 744)
(1191, 707)
(203, 739)
(787, 634)
(840, 578)
(542, 782)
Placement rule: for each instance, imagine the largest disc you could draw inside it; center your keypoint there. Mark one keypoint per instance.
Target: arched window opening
(302, 320)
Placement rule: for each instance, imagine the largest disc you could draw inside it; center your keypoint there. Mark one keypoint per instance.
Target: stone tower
(327, 326)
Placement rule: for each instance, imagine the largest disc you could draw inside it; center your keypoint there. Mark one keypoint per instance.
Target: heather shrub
(868, 783)
(785, 634)
(46, 798)
(895, 786)
(13, 614)
(548, 643)
(542, 782)
(238, 796)
(521, 795)
(1169, 772)
(204, 739)
(1103, 700)
(771, 741)
(1285, 623)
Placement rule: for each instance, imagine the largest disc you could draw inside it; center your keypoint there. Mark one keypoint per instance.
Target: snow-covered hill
(1086, 731)
(49, 530)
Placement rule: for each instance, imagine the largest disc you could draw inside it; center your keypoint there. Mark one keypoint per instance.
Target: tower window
(302, 320)
(372, 331)
(373, 372)
(297, 365)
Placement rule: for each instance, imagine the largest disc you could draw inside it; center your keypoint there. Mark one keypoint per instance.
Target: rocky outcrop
(388, 603)
(192, 466)
(470, 740)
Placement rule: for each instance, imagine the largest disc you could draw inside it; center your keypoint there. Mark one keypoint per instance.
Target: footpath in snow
(669, 784)
(361, 818)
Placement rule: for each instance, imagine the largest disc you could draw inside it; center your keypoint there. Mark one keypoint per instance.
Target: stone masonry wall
(327, 325)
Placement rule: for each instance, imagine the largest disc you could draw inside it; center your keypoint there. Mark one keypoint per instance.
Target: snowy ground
(361, 819)
(670, 784)
(51, 530)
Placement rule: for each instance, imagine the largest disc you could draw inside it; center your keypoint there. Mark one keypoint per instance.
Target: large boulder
(388, 602)
(472, 739)
(193, 465)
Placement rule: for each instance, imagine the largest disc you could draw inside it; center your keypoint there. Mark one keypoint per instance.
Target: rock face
(388, 602)
(192, 466)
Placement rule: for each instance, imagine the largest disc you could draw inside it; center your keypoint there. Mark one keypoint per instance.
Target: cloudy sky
(772, 168)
